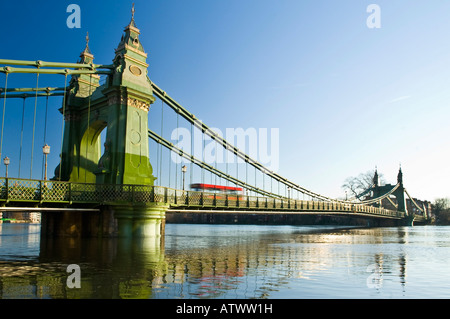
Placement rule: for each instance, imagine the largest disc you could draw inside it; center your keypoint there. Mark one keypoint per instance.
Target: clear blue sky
(344, 97)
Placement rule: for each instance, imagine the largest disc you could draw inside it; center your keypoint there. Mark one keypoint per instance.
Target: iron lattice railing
(41, 192)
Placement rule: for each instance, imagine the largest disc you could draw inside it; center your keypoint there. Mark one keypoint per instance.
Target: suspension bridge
(114, 189)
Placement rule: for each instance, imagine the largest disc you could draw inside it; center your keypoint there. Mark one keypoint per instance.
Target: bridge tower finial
(87, 56)
(132, 23)
(400, 175)
(375, 177)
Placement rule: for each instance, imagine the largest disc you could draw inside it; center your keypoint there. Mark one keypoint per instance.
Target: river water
(230, 261)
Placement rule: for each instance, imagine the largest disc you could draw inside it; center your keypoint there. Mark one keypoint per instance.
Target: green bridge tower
(120, 106)
(399, 194)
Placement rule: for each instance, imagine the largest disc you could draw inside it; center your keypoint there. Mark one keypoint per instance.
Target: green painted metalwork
(32, 193)
(121, 107)
(28, 95)
(43, 64)
(52, 71)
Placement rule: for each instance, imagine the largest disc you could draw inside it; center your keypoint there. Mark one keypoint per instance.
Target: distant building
(21, 217)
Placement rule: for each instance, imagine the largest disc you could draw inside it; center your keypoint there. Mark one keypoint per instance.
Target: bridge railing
(40, 192)
(197, 199)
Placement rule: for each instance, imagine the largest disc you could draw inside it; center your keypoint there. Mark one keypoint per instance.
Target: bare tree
(441, 209)
(440, 205)
(359, 185)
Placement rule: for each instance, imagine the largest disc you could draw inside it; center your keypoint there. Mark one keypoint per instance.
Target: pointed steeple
(130, 40)
(375, 178)
(400, 175)
(83, 84)
(130, 59)
(132, 23)
(86, 56)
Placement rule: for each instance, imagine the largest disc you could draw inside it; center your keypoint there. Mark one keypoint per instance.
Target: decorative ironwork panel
(171, 195)
(85, 192)
(142, 194)
(278, 203)
(55, 191)
(160, 194)
(220, 201)
(115, 193)
(208, 199)
(232, 201)
(23, 190)
(182, 197)
(243, 201)
(194, 198)
(252, 201)
(3, 192)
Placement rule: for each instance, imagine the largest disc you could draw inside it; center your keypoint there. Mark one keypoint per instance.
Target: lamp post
(6, 161)
(46, 151)
(183, 169)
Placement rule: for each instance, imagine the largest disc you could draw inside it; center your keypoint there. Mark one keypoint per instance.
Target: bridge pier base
(145, 221)
(110, 221)
(78, 224)
(407, 221)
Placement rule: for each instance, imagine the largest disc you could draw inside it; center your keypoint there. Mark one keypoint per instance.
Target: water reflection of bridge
(244, 266)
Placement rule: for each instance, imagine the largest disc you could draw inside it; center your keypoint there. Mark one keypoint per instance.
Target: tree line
(441, 209)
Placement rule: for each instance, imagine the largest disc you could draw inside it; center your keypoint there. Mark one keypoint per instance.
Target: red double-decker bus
(235, 192)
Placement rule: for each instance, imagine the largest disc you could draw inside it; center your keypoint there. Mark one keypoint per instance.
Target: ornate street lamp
(184, 169)
(46, 151)
(6, 161)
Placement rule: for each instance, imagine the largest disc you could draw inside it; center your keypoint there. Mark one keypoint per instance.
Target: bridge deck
(37, 193)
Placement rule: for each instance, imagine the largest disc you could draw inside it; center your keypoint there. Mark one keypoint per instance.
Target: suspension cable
(3, 115)
(390, 200)
(414, 202)
(21, 135)
(192, 154)
(45, 133)
(34, 127)
(88, 128)
(62, 126)
(203, 165)
(176, 166)
(161, 150)
(169, 153)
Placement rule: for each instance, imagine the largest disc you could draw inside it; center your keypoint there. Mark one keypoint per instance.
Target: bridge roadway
(39, 195)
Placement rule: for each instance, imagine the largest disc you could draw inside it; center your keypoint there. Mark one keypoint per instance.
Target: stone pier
(109, 221)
